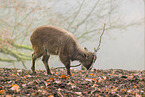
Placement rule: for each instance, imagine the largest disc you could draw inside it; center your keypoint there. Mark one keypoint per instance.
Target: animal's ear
(85, 48)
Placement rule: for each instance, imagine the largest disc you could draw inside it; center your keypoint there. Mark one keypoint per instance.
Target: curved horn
(95, 50)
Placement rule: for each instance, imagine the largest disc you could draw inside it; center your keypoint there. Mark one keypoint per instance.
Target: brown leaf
(78, 93)
(13, 75)
(122, 90)
(2, 91)
(134, 86)
(8, 95)
(91, 74)
(64, 76)
(48, 84)
(93, 79)
(50, 96)
(72, 74)
(64, 94)
(15, 87)
(50, 79)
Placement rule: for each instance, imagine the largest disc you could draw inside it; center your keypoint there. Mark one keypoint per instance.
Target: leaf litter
(101, 83)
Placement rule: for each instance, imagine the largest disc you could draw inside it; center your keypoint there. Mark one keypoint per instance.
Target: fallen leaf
(91, 74)
(95, 85)
(50, 79)
(122, 90)
(31, 82)
(19, 70)
(104, 77)
(15, 87)
(2, 91)
(129, 91)
(38, 76)
(134, 86)
(47, 88)
(64, 94)
(59, 89)
(114, 89)
(136, 95)
(8, 96)
(78, 93)
(33, 94)
(57, 82)
(1, 88)
(25, 76)
(50, 96)
(73, 86)
(13, 75)
(48, 84)
(69, 83)
(93, 79)
(72, 74)
(28, 94)
(24, 85)
(64, 76)
(88, 79)
(44, 92)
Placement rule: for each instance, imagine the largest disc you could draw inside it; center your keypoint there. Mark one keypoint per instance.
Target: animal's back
(51, 38)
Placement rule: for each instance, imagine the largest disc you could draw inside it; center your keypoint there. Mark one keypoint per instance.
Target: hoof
(34, 72)
(69, 75)
(49, 73)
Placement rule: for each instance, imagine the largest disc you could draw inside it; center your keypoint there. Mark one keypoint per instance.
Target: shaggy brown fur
(50, 40)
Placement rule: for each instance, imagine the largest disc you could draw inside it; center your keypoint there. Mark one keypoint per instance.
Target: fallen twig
(70, 66)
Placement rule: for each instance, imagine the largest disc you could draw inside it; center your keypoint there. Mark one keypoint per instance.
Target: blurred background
(122, 45)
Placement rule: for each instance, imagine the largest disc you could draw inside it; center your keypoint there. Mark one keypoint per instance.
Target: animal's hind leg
(45, 61)
(34, 57)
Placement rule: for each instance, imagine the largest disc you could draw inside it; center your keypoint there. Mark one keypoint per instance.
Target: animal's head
(89, 59)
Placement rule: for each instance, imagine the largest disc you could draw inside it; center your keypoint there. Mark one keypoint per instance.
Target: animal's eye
(85, 55)
(86, 49)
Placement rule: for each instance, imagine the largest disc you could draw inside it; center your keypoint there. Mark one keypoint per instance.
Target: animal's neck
(79, 55)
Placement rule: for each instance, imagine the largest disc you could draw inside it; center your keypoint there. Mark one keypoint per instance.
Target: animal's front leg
(68, 69)
(66, 61)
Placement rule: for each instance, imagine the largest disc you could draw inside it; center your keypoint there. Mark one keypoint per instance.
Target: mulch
(98, 83)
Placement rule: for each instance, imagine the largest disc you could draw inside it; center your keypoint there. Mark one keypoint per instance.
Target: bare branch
(78, 25)
(76, 15)
(8, 60)
(19, 46)
(24, 65)
(14, 54)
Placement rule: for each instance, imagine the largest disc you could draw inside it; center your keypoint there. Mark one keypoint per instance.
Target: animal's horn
(95, 50)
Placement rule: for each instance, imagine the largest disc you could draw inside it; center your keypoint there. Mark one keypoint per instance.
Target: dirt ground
(99, 83)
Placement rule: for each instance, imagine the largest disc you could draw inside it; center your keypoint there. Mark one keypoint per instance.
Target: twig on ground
(70, 66)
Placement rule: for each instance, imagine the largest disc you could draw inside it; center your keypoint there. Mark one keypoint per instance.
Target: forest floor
(99, 83)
